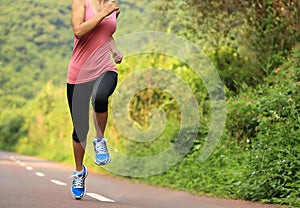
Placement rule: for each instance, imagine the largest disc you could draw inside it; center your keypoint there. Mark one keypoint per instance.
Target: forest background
(254, 46)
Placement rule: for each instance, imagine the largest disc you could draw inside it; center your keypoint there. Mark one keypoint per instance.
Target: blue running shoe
(78, 185)
(102, 154)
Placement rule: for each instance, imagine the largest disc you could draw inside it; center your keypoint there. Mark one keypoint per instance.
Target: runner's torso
(91, 53)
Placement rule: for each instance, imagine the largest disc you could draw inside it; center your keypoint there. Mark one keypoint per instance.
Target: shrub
(268, 125)
(244, 39)
(11, 128)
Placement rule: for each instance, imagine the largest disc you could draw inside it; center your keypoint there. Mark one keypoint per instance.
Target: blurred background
(255, 48)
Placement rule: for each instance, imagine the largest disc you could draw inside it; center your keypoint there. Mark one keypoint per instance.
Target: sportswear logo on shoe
(102, 154)
(78, 186)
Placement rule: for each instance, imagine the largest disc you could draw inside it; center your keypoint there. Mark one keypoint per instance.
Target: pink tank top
(91, 53)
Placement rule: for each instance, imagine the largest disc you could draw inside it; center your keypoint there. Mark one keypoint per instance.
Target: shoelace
(77, 181)
(101, 148)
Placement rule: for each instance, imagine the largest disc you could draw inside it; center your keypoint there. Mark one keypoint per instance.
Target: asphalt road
(30, 182)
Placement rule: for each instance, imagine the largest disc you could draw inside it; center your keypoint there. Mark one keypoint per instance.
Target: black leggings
(79, 97)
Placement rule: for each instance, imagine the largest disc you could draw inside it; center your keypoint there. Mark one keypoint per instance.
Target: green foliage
(46, 125)
(274, 28)
(148, 99)
(11, 128)
(135, 16)
(268, 129)
(273, 168)
(213, 177)
(36, 40)
(258, 156)
(35, 47)
(244, 39)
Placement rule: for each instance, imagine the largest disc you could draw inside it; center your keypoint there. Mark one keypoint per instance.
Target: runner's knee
(100, 102)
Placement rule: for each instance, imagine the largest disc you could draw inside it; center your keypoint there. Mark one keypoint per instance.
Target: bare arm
(117, 55)
(80, 27)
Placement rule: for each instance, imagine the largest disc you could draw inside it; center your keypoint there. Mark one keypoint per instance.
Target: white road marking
(40, 174)
(12, 158)
(99, 197)
(28, 168)
(20, 163)
(60, 183)
(57, 182)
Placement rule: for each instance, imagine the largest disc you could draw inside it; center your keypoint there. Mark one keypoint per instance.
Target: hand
(109, 7)
(118, 56)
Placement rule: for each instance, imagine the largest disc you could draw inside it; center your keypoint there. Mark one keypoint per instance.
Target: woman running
(92, 77)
